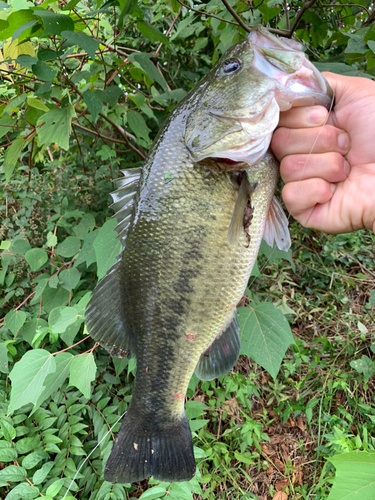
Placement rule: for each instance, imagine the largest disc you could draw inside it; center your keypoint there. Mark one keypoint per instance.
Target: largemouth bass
(191, 223)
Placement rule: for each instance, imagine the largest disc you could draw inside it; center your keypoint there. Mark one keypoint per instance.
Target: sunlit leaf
(82, 373)
(56, 126)
(355, 476)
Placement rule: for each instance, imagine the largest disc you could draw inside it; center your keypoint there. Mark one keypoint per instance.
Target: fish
(191, 221)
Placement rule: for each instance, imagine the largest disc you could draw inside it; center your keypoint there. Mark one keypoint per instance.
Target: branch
(346, 5)
(205, 13)
(236, 16)
(104, 137)
(124, 134)
(299, 15)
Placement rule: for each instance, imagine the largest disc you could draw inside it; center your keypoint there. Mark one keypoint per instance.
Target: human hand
(333, 188)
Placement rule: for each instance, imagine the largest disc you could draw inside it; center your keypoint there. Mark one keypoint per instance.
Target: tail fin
(164, 451)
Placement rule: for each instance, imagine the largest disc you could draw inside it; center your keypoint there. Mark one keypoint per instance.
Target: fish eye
(231, 66)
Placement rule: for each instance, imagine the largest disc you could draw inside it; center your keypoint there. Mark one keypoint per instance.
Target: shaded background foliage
(85, 86)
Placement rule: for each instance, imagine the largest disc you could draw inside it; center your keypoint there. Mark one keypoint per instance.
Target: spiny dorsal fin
(123, 200)
(276, 228)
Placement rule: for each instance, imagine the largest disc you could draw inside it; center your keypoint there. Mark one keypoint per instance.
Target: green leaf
(12, 473)
(364, 365)
(138, 125)
(67, 316)
(43, 71)
(51, 240)
(31, 328)
(148, 66)
(82, 373)
(15, 20)
(36, 258)
(22, 491)
(55, 487)
(265, 335)
(28, 376)
(153, 493)
(8, 454)
(274, 253)
(69, 247)
(356, 45)
(25, 445)
(14, 320)
(69, 278)
(55, 126)
(40, 475)
(3, 359)
(54, 297)
(90, 45)
(109, 95)
(11, 157)
(93, 103)
(151, 33)
(355, 476)
(6, 124)
(128, 9)
(9, 432)
(106, 247)
(20, 247)
(32, 459)
(54, 24)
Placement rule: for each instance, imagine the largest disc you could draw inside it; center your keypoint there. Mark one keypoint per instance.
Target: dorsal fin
(123, 200)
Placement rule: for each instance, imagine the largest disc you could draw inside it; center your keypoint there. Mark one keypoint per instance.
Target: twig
(29, 172)
(299, 15)
(205, 13)
(104, 137)
(346, 5)
(287, 15)
(236, 16)
(124, 134)
(70, 347)
(80, 151)
(169, 30)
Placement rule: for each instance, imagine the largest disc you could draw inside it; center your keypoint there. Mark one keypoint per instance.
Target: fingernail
(333, 186)
(343, 141)
(316, 116)
(346, 167)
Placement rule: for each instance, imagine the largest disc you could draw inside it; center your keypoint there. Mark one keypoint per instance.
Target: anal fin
(105, 315)
(222, 354)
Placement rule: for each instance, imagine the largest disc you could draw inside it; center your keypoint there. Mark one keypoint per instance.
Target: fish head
(236, 107)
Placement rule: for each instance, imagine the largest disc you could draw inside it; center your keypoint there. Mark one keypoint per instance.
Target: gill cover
(239, 110)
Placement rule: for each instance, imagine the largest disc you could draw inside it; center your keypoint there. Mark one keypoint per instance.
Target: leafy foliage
(85, 87)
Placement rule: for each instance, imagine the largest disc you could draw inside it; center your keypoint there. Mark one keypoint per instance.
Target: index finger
(303, 117)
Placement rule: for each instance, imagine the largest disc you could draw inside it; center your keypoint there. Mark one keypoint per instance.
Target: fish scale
(191, 234)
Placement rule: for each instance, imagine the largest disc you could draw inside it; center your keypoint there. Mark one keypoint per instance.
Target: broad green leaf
(14, 320)
(54, 24)
(54, 297)
(82, 373)
(55, 487)
(9, 432)
(364, 365)
(8, 454)
(87, 43)
(20, 247)
(151, 33)
(28, 376)
(42, 473)
(153, 493)
(356, 45)
(69, 247)
(148, 66)
(69, 278)
(11, 157)
(274, 253)
(28, 444)
(355, 476)
(86, 224)
(43, 71)
(37, 104)
(13, 473)
(15, 20)
(51, 240)
(3, 359)
(32, 459)
(106, 247)
(48, 54)
(19, 31)
(56, 126)
(265, 335)
(138, 125)
(54, 381)
(36, 258)
(93, 103)
(23, 491)
(110, 95)
(128, 9)
(32, 327)
(6, 124)
(67, 316)
(182, 489)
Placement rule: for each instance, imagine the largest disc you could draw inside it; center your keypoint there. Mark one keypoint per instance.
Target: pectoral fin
(236, 226)
(222, 354)
(276, 228)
